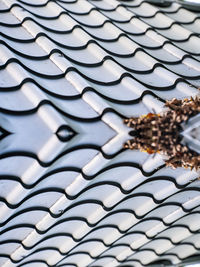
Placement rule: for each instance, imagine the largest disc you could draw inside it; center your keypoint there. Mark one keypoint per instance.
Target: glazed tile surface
(70, 72)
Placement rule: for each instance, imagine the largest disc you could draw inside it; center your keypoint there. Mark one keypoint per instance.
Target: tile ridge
(62, 63)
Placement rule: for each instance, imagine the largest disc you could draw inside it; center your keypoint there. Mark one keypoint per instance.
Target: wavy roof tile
(71, 71)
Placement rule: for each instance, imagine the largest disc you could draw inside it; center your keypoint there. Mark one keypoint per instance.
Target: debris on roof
(161, 133)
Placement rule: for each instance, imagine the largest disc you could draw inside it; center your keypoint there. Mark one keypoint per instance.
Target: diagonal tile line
(163, 72)
(172, 49)
(76, 80)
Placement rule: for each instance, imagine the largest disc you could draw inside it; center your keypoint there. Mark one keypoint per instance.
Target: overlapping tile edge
(113, 165)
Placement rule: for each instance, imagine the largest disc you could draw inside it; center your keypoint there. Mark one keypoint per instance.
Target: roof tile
(75, 69)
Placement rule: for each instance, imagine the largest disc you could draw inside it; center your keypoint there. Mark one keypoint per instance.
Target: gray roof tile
(194, 27)
(75, 69)
(191, 46)
(183, 16)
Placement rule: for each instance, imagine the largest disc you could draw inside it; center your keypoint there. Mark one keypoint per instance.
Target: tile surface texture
(70, 72)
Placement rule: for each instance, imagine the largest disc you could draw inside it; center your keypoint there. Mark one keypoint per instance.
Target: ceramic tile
(25, 49)
(93, 53)
(8, 19)
(184, 70)
(162, 55)
(159, 21)
(3, 7)
(131, 3)
(131, 27)
(144, 10)
(109, 71)
(18, 33)
(105, 33)
(121, 47)
(140, 256)
(193, 27)
(183, 251)
(78, 7)
(93, 19)
(183, 16)
(7, 80)
(190, 46)
(175, 33)
(36, 3)
(116, 15)
(72, 40)
(147, 41)
(102, 5)
(62, 24)
(49, 10)
(152, 80)
(159, 246)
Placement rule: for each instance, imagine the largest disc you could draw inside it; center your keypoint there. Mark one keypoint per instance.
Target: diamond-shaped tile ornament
(3, 133)
(65, 133)
(35, 134)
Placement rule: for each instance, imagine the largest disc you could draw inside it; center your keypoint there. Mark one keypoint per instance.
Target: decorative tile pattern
(70, 72)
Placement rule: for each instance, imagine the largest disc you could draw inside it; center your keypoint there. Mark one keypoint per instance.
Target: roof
(71, 71)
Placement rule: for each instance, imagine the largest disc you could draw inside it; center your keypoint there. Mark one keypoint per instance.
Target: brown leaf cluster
(161, 133)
